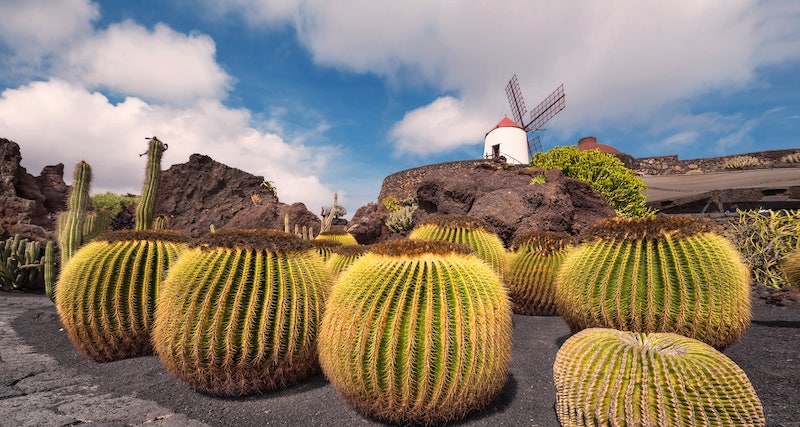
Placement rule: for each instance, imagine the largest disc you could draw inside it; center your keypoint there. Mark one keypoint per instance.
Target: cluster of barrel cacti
(22, 263)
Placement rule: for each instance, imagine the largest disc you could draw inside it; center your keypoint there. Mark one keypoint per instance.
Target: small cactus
(417, 332)
(239, 312)
(106, 294)
(471, 231)
(662, 274)
(741, 162)
(615, 378)
(533, 264)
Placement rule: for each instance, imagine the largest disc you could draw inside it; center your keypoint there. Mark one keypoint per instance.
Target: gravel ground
(44, 381)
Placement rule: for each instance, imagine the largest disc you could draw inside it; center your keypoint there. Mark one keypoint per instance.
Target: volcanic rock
(203, 192)
(499, 194)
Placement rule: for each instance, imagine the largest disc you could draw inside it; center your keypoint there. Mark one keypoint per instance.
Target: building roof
(590, 143)
(506, 123)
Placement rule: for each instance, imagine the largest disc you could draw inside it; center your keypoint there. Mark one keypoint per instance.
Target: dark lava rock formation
(499, 194)
(203, 192)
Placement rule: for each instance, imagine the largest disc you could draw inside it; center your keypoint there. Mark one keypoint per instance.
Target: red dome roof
(505, 123)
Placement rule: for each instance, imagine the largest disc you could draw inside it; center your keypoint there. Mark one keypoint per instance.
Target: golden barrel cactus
(791, 268)
(239, 312)
(606, 377)
(342, 237)
(471, 231)
(417, 332)
(662, 274)
(106, 295)
(343, 256)
(534, 260)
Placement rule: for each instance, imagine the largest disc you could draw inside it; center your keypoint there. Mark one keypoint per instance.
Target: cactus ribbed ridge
(324, 247)
(417, 332)
(471, 231)
(342, 257)
(647, 276)
(107, 292)
(616, 378)
(239, 313)
(342, 237)
(145, 210)
(791, 268)
(533, 264)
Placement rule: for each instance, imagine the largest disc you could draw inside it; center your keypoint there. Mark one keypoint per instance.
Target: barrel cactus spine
(324, 247)
(610, 377)
(417, 331)
(145, 210)
(342, 257)
(534, 260)
(239, 312)
(471, 231)
(663, 274)
(791, 268)
(107, 292)
(342, 237)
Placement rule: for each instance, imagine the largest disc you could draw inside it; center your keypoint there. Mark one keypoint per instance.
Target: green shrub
(112, 202)
(402, 219)
(765, 238)
(605, 172)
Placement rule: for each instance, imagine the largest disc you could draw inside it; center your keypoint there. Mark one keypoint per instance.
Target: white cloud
(622, 61)
(32, 28)
(42, 117)
(437, 127)
(161, 65)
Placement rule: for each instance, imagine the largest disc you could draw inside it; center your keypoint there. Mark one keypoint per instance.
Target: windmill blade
(534, 144)
(545, 111)
(518, 109)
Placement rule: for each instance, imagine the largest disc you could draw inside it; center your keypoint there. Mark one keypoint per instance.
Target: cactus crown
(254, 239)
(350, 250)
(149, 235)
(457, 221)
(332, 233)
(546, 242)
(633, 229)
(325, 244)
(413, 248)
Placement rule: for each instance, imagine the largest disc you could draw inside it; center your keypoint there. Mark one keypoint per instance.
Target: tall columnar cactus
(146, 208)
(617, 378)
(239, 313)
(664, 274)
(417, 332)
(107, 292)
(342, 237)
(342, 257)
(471, 231)
(50, 270)
(533, 264)
(71, 226)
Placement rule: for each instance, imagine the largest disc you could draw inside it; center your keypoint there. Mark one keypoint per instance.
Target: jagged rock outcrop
(204, 192)
(501, 195)
(28, 204)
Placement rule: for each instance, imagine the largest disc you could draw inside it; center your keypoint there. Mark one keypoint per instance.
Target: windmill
(543, 112)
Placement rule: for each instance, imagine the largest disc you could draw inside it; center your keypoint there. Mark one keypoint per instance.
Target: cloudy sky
(331, 95)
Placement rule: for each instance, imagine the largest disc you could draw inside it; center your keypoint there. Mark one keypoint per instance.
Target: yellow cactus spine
(239, 312)
(342, 237)
(663, 274)
(417, 332)
(471, 231)
(533, 264)
(342, 257)
(107, 292)
(616, 378)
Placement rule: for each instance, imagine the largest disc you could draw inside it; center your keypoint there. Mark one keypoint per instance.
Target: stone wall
(671, 165)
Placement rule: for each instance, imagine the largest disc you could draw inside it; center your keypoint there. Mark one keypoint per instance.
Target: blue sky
(332, 96)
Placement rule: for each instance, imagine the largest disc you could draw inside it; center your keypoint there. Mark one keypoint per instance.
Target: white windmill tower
(514, 140)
